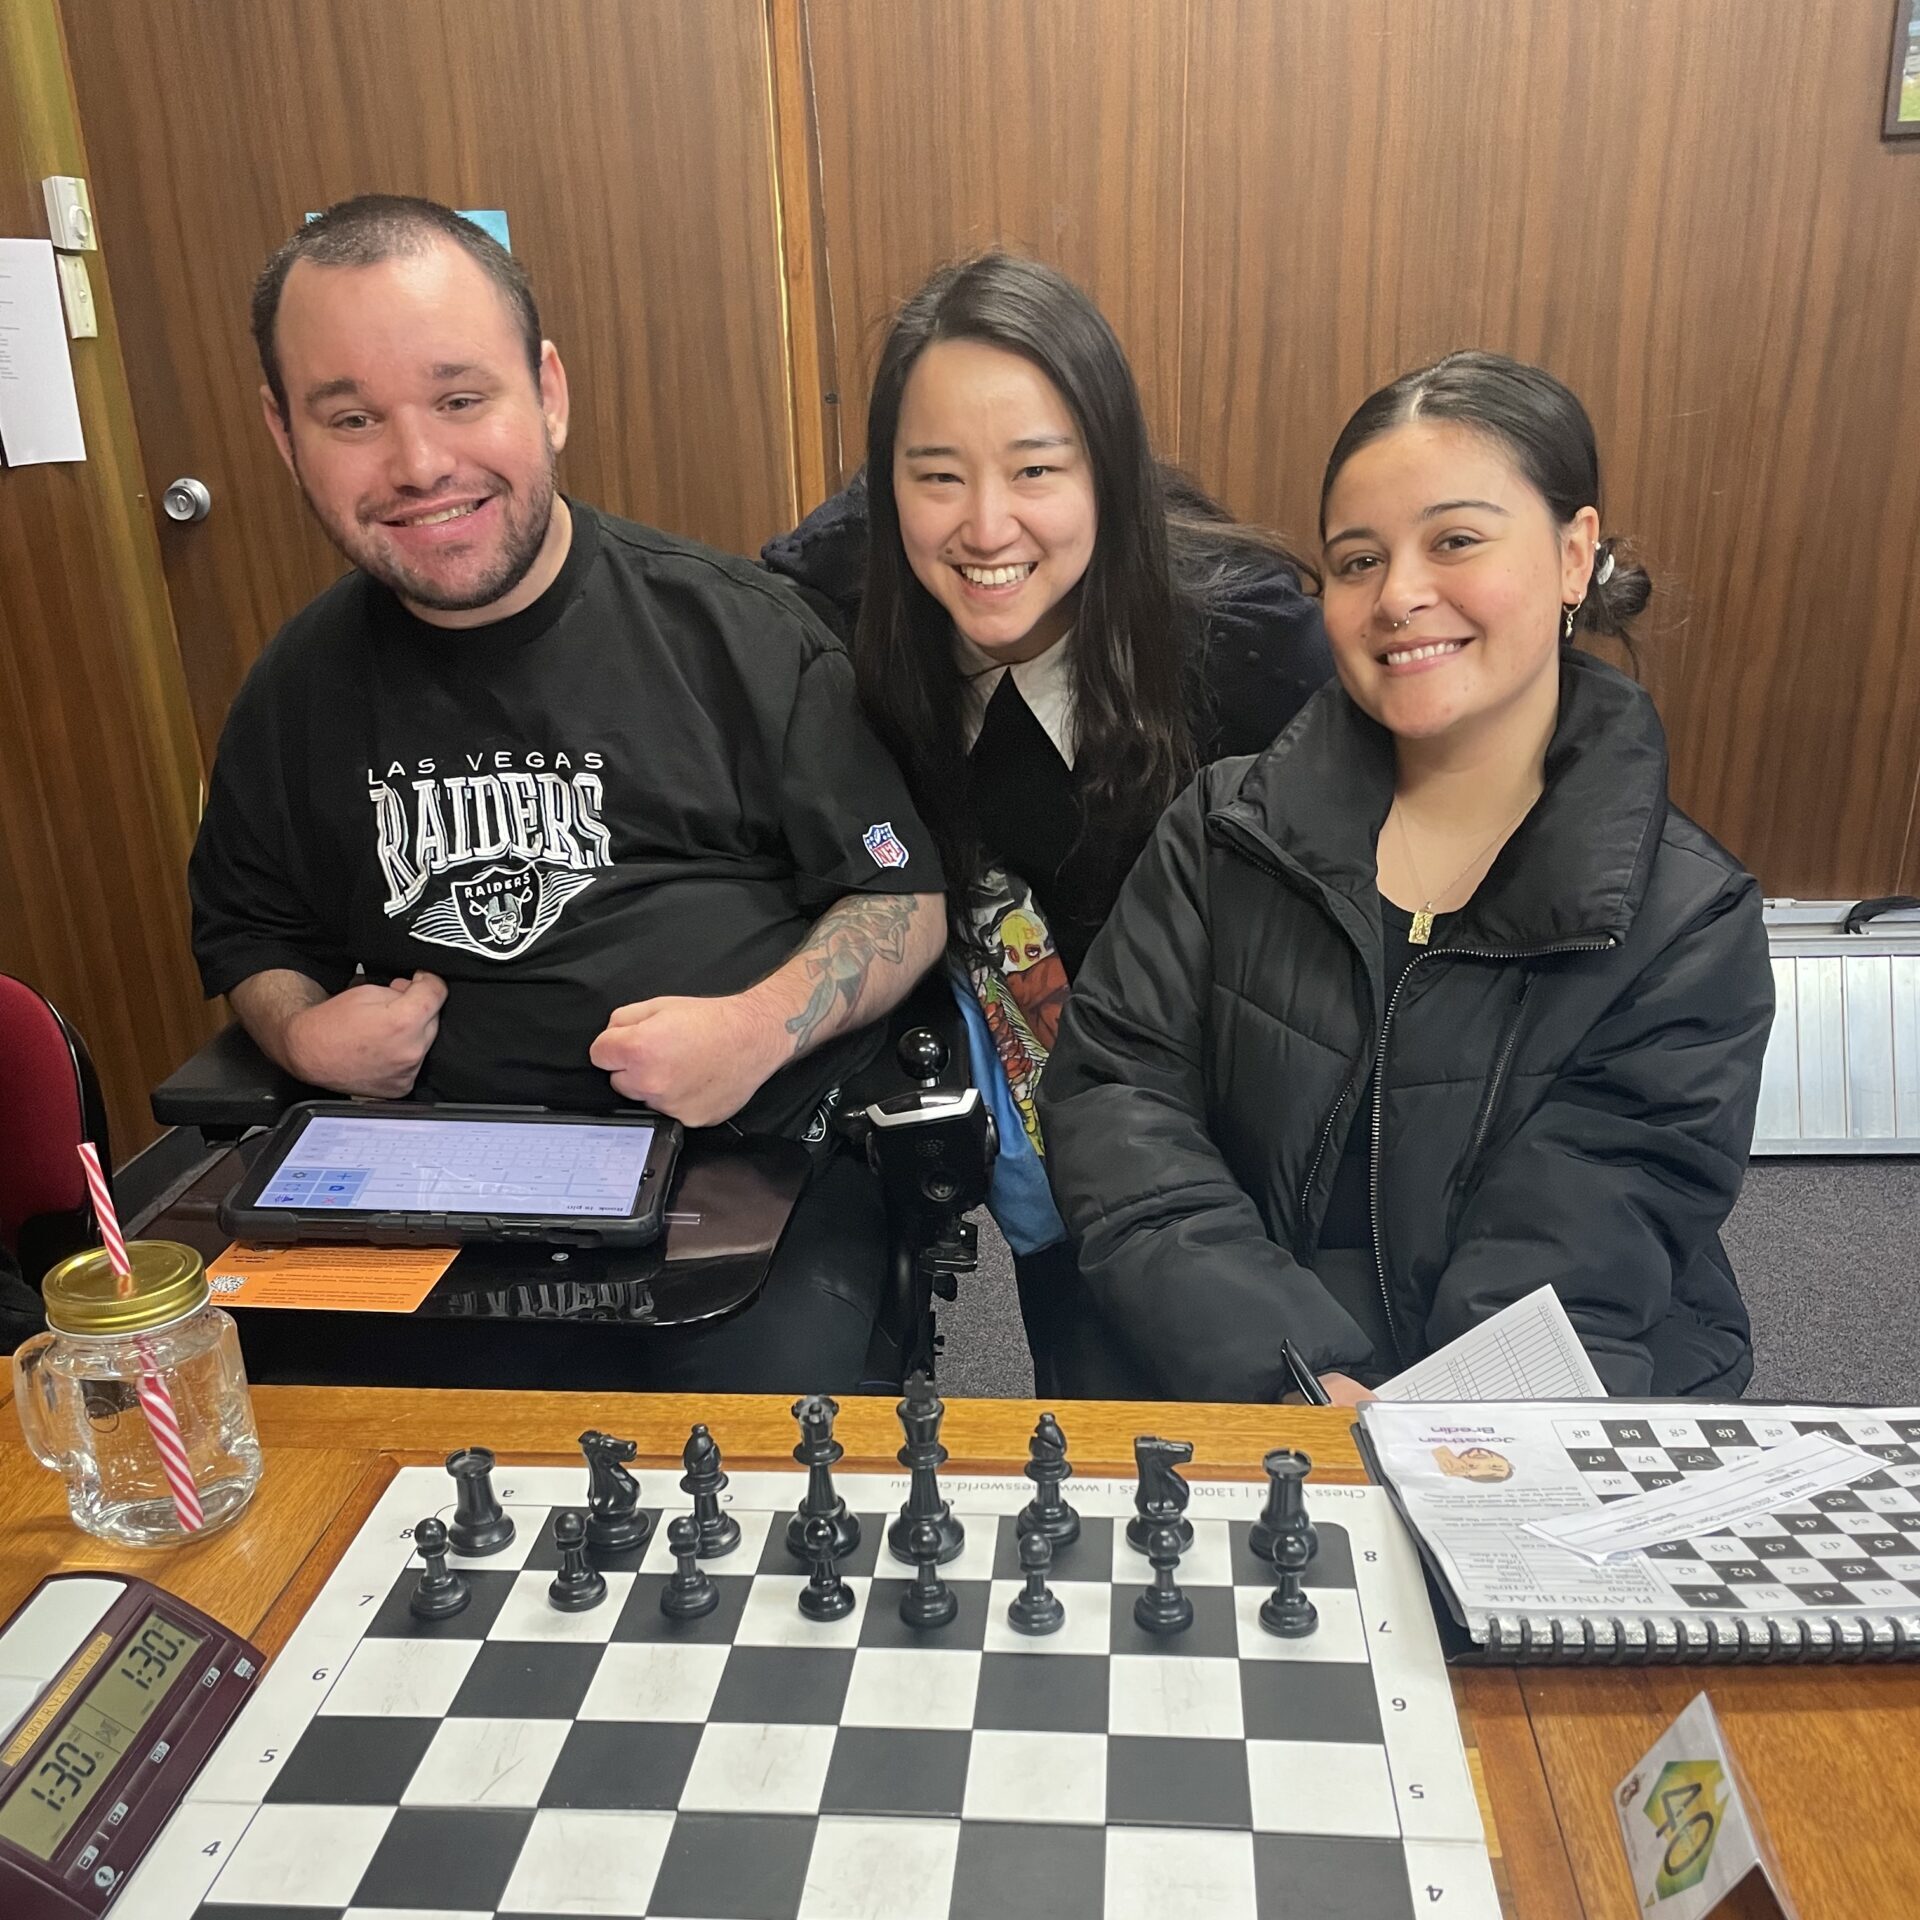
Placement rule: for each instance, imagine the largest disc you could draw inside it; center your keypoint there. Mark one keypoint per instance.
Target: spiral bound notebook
(1803, 1574)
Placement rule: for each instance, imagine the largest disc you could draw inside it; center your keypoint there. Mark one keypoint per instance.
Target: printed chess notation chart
(1472, 1477)
(453, 1166)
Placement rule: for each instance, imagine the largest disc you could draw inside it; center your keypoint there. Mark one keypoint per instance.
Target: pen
(1306, 1384)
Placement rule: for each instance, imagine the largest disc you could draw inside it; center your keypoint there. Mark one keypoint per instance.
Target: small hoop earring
(1566, 624)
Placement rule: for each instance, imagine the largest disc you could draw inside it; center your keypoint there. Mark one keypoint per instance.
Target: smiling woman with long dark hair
(1439, 999)
(1051, 630)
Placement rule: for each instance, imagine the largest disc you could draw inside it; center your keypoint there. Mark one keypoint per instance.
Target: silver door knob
(187, 500)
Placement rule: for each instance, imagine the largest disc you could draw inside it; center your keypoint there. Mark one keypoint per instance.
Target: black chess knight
(1161, 1498)
(615, 1522)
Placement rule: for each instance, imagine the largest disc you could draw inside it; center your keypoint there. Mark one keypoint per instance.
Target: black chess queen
(1440, 999)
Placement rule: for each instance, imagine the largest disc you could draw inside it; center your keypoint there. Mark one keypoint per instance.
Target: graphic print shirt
(651, 781)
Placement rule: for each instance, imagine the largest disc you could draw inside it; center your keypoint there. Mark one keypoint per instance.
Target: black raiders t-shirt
(651, 781)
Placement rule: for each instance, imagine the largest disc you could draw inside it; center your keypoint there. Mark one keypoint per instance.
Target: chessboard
(516, 1759)
(1854, 1546)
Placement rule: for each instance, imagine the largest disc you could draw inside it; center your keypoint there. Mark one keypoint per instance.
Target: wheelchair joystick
(923, 1056)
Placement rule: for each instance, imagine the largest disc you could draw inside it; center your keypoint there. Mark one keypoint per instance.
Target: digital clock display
(45, 1804)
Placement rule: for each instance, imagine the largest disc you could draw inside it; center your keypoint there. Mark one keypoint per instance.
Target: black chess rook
(440, 1592)
(929, 1602)
(689, 1594)
(921, 1412)
(1160, 1499)
(1036, 1608)
(718, 1531)
(616, 1522)
(1287, 1471)
(825, 1596)
(1164, 1606)
(579, 1584)
(480, 1524)
(1047, 1467)
(819, 1452)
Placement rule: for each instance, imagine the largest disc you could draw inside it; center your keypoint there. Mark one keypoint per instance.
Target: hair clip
(1604, 571)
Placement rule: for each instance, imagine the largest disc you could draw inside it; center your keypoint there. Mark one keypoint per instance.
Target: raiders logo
(502, 910)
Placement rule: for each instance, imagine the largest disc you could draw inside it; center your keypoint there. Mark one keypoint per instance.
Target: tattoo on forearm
(841, 953)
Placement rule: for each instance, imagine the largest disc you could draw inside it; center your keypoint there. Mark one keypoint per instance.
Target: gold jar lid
(83, 1293)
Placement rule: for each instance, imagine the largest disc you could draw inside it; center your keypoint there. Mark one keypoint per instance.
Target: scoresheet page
(1472, 1478)
(461, 1166)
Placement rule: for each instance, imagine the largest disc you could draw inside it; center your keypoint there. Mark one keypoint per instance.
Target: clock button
(105, 1877)
(88, 1855)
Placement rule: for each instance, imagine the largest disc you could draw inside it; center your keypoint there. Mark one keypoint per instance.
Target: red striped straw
(155, 1401)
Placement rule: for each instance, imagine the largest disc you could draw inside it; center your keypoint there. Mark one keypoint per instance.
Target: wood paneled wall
(630, 143)
(99, 780)
(1682, 207)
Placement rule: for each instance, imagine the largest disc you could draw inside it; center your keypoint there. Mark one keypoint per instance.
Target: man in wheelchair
(538, 806)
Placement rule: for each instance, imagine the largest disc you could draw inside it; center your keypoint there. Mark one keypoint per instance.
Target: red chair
(49, 1102)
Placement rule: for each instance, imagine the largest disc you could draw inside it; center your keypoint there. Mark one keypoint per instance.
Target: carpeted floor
(1828, 1254)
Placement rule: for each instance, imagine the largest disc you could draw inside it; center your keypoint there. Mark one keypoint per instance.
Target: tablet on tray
(416, 1175)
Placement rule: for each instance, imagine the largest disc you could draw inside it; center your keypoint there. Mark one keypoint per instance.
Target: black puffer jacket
(1568, 1077)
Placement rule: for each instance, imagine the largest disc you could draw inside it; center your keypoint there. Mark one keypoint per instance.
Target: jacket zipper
(1235, 837)
(1380, 1087)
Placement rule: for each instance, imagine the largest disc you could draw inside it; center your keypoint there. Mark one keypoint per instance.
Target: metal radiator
(1842, 1071)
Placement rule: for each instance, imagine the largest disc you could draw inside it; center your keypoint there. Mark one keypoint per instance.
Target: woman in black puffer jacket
(1439, 999)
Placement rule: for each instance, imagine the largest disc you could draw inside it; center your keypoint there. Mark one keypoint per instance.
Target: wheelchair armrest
(227, 1088)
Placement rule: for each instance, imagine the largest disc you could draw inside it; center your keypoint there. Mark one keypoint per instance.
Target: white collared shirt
(1045, 683)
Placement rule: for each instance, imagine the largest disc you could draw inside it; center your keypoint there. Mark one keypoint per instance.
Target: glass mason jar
(77, 1388)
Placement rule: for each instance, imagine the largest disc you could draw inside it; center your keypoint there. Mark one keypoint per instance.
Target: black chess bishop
(718, 1531)
(1047, 1512)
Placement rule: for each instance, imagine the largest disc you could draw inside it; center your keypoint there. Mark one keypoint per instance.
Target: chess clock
(112, 1695)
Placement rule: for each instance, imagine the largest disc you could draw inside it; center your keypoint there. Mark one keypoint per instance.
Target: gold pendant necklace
(1422, 929)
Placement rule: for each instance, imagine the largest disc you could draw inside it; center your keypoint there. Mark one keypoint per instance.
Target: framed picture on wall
(1903, 74)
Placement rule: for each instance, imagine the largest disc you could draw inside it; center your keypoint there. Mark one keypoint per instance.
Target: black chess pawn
(480, 1524)
(825, 1596)
(440, 1593)
(1163, 1607)
(616, 1522)
(1036, 1609)
(819, 1452)
(1047, 1512)
(1287, 1611)
(719, 1532)
(689, 1594)
(1286, 1503)
(921, 1412)
(929, 1602)
(1160, 1500)
(578, 1585)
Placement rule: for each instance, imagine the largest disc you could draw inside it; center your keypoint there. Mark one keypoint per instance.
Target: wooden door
(627, 141)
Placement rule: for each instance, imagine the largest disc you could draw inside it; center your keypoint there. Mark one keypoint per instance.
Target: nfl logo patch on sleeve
(884, 844)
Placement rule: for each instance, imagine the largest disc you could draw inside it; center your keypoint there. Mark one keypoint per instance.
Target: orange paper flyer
(346, 1279)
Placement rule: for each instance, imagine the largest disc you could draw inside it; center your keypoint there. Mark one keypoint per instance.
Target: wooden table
(1833, 1754)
